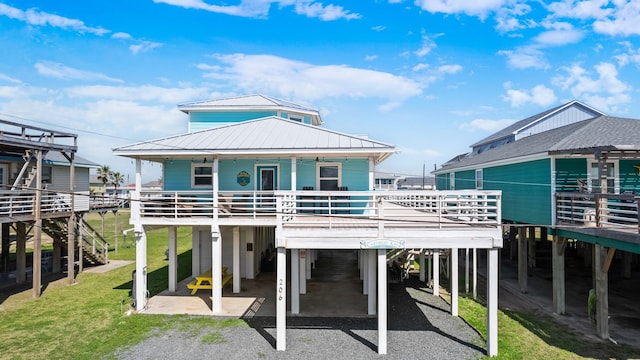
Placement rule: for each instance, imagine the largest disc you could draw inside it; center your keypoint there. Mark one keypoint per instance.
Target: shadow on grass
(563, 337)
(158, 279)
(9, 289)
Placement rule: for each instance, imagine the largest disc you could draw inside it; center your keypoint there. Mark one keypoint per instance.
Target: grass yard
(87, 320)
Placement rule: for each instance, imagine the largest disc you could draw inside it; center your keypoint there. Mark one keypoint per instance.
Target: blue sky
(429, 76)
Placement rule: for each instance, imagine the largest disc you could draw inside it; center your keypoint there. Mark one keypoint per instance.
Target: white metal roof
(259, 138)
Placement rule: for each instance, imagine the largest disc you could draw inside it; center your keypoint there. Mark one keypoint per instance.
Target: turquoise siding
(568, 171)
(629, 176)
(206, 120)
(465, 180)
(442, 181)
(526, 190)
(355, 174)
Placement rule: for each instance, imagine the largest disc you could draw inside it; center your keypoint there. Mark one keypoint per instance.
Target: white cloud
(379, 28)
(63, 72)
(479, 8)
(630, 54)
(578, 9)
(420, 67)
(624, 20)
(604, 91)
(371, 57)
(427, 45)
(40, 18)
(507, 18)
(449, 69)
(559, 37)
(261, 8)
(143, 46)
(486, 125)
(525, 57)
(539, 95)
(7, 78)
(300, 80)
(121, 35)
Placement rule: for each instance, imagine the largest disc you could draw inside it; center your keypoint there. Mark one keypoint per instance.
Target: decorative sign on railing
(382, 244)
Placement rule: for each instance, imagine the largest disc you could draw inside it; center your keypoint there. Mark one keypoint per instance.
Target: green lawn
(87, 320)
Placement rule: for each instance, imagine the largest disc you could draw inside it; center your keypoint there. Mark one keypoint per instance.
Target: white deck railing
(22, 202)
(598, 210)
(428, 208)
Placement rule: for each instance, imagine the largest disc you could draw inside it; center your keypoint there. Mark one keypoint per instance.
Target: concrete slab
(334, 290)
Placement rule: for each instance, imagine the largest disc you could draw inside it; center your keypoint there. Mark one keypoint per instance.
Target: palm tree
(104, 175)
(116, 180)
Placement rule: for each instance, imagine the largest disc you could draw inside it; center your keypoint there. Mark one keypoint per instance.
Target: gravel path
(419, 327)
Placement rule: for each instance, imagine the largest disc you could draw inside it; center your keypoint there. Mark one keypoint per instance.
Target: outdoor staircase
(95, 249)
(399, 263)
(27, 173)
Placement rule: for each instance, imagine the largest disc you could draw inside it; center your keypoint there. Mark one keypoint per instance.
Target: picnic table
(205, 280)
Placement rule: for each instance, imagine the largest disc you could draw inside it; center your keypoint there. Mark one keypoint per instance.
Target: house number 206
(280, 289)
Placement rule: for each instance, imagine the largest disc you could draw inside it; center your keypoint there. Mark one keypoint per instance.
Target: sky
(428, 76)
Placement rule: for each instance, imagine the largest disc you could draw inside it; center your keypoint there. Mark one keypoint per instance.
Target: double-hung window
(201, 175)
(329, 176)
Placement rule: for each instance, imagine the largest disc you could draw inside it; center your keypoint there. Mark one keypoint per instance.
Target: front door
(267, 182)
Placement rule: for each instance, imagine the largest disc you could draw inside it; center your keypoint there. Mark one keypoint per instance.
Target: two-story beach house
(257, 177)
(571, 172)
(45, 188)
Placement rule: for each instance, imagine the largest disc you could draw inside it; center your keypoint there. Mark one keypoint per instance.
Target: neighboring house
(45, 188)
(570, 171)
(259, 181)
(417, 183)
(386, 181)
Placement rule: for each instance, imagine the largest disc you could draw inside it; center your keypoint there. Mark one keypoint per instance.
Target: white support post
(382, 301)
(308, 263)
(466, 270)
(361, 264)
(236, 260)
(141, 268)
(372, 177)
(281, 299)
(475, 273)
(429, 268)
(453, 280)
(371, 297)
(558, 274)
(195, 252)
(422, 265)
(295, 282)
(436, 272)
(365, 272)
(216, 269)
(492, 302)
(173, 258)
(294, 176)
(303, 270)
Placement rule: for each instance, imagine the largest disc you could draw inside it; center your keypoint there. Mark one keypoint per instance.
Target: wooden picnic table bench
(205, 280)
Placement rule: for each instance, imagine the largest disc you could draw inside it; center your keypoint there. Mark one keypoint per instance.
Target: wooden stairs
(95, 249)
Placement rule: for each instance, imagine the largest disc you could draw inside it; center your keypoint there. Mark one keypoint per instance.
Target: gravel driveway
(420, 327)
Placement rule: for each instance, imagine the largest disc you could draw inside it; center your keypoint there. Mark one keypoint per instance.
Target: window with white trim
(201, 175)
(329, 176)
(594, 180)
(479, 179)
(452, 181)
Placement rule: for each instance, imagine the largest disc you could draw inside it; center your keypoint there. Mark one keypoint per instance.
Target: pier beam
(557, 258)
(436, 272)
(173, 258)
(492, 302)
(453, 281)
(522, 259)
(382, 299)
(295, 281)
(21, 253)
(602, 262)
(371, 268)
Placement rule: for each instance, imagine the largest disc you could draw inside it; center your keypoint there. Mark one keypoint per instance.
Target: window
(201, 175)
(295, 118)
(47, 173)
(452, 181)
(479, 179)
(329, 176)
(594, 180)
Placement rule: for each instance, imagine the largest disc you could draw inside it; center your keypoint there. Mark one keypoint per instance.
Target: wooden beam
(608, 260)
